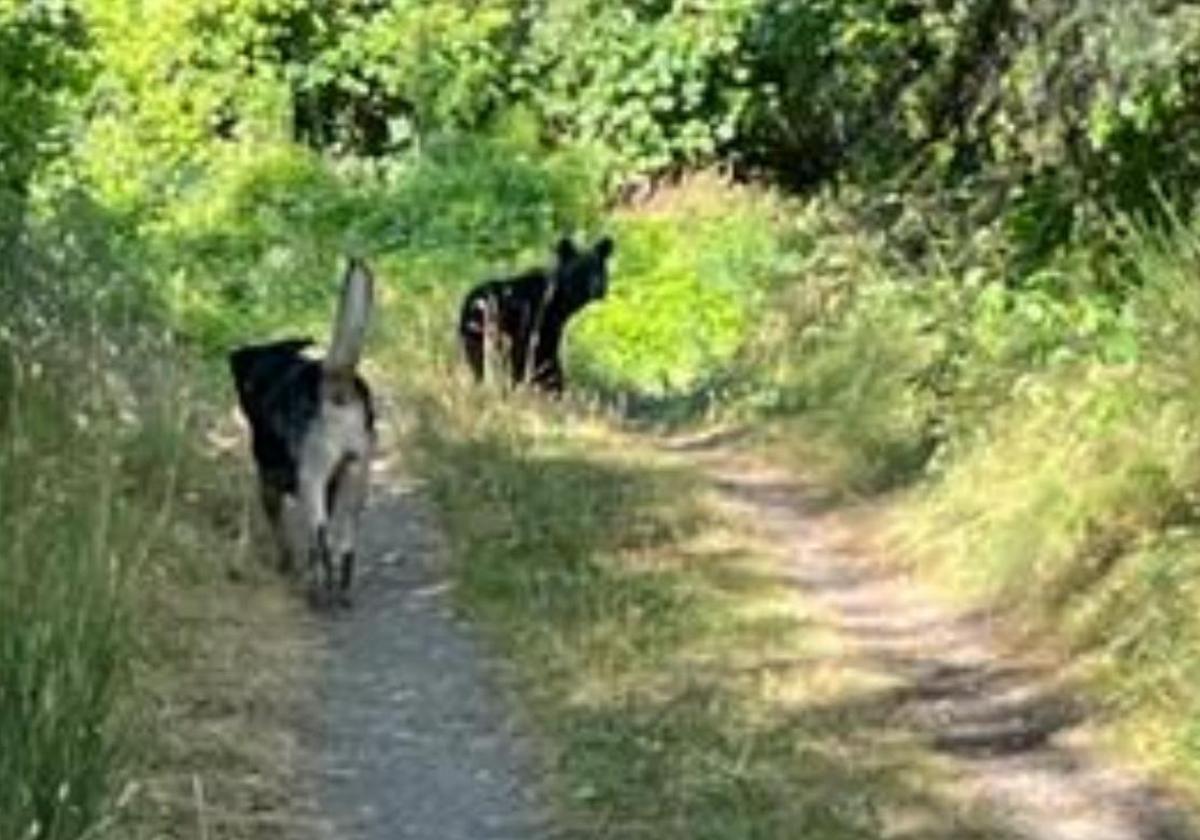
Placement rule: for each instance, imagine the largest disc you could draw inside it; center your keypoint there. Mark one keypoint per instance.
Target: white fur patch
(338, 433)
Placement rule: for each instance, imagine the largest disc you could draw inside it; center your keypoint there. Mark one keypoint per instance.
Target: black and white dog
(528, 313)
(312, 426)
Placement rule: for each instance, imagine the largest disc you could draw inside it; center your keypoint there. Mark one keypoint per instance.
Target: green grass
(88, 462)
(123, 533)
(692, 271)
(1075, 514)
(62, 631)
(87, 499)
(1042, 431)
(1040, 436)
(678, 684)
(1074, 508)
(253, 249)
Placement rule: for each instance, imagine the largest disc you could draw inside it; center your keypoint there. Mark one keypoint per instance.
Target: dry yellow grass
(226, 675)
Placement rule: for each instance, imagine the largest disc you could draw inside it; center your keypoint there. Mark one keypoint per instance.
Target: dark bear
(527, 314)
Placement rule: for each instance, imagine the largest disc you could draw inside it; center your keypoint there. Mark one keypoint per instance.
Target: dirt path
(415, 743)
(1010, 732)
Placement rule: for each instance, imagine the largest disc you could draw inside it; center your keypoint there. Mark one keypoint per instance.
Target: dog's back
(279, 393)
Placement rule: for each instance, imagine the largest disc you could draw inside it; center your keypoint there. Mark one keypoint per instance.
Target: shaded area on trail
(414, 742)
(1009, 730)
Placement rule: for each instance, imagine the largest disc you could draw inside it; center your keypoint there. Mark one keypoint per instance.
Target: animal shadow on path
(415, 741)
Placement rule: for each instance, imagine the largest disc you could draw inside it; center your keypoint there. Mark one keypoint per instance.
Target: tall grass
(118, 522)
(85, 498)
(678, 684)
(872, 366)
(831, 374)
(251, 249)
(1076, 507)
(1042, 428)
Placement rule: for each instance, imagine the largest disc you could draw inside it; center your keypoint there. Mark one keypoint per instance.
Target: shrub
(43, 69)
(661, 85)
(691, 272)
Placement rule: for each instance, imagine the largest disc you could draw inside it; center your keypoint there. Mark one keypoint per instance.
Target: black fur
(529, 313)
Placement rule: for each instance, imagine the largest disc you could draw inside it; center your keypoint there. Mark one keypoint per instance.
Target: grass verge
(680, 684)
(1062, 484)
(149, 685)
(1074, 516)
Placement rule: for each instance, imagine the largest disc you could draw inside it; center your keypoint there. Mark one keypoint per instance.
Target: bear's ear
(566, 250)
(605, 247)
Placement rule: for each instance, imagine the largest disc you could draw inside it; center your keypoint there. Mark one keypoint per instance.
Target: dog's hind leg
(348, 499)
(313, 501)
(272, 502)
(324, 587)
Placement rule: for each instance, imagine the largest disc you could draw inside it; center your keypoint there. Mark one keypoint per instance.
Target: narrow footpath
(416, 742)
(1010, 730)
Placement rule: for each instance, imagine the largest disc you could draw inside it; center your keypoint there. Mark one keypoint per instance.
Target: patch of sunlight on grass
(1073, 515)
(682, 685)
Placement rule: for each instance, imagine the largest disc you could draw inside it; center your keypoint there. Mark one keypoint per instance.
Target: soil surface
(1010, 730)
(416, 742)
(416, 739)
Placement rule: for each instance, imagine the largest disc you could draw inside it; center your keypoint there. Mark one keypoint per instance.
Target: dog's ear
(605, 247)
(566, 250)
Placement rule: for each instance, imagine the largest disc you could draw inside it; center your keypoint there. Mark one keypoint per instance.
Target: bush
(43, 69)
(661, 85)
(1075, 502)
(254, 248)
(691, 273)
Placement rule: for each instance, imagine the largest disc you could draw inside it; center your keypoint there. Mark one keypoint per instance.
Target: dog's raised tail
(353, 315)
